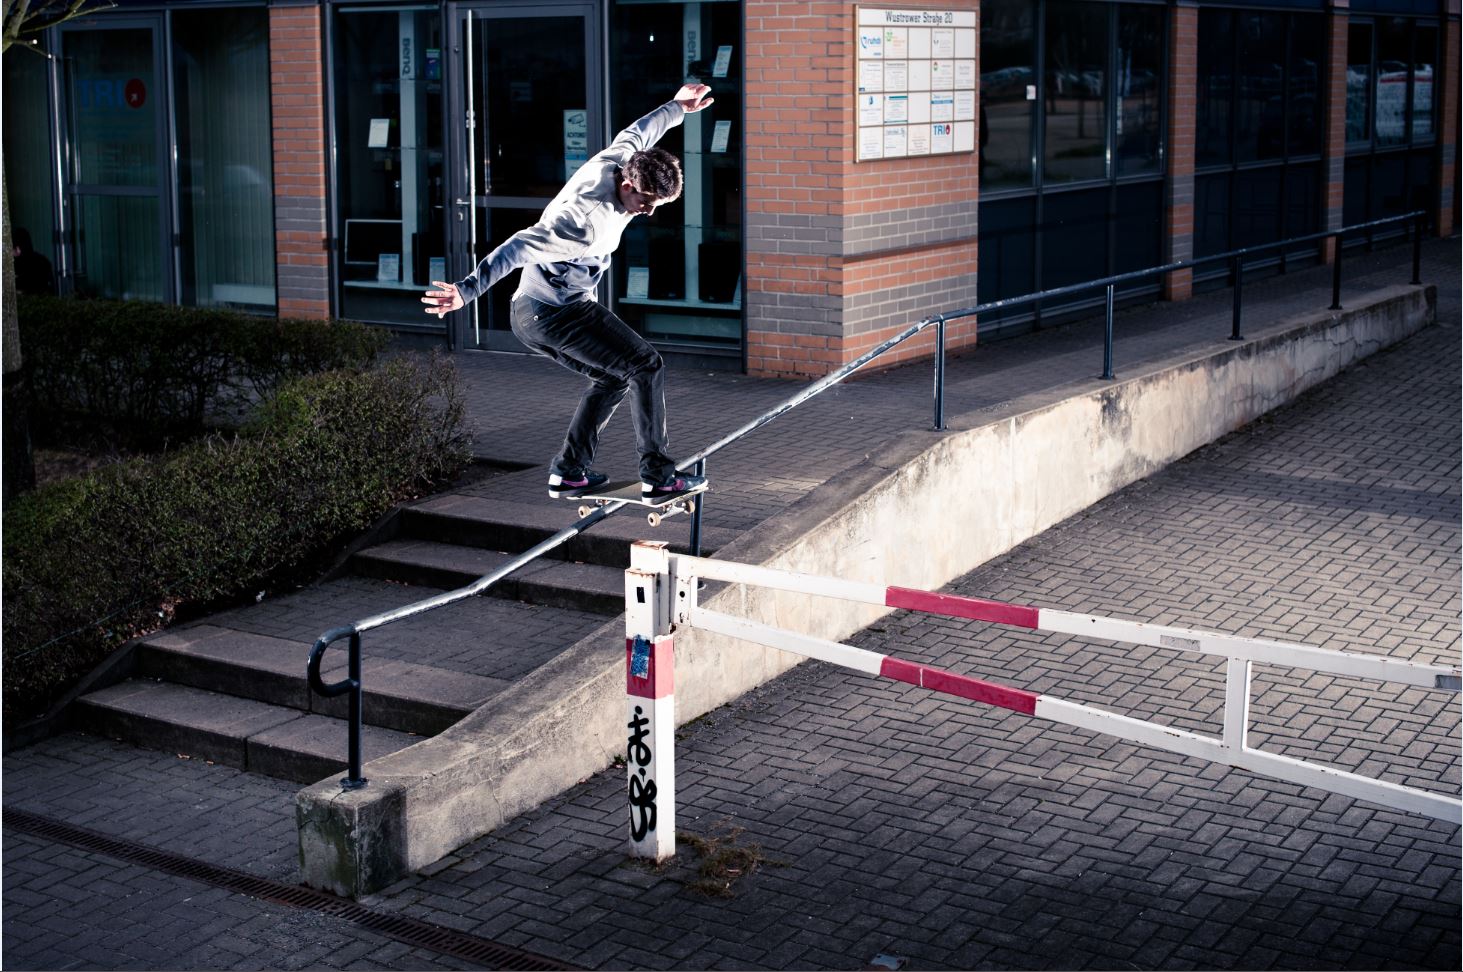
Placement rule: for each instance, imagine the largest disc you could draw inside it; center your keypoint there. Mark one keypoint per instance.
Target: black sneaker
(561, 486)
(680, 483)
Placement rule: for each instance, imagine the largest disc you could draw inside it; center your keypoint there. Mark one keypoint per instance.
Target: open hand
(442, 300)
(694, 97)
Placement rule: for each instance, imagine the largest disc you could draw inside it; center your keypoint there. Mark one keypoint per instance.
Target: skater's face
(637, 202)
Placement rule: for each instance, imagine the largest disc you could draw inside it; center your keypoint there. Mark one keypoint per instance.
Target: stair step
(555, 583)
(398, 695)
(250, 735)
(480, 521)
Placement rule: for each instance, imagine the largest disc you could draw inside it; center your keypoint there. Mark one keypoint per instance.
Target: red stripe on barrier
(960, 685)
(656, 677)
(954, 606)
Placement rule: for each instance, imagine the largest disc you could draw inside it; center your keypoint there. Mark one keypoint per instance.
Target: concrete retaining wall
(920, 513)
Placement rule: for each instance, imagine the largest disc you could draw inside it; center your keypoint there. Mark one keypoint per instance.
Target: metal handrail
(697, 463)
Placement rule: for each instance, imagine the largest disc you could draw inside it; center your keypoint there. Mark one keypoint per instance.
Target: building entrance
(526, 111)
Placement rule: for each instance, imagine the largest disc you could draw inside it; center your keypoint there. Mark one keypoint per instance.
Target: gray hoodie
(565, 253)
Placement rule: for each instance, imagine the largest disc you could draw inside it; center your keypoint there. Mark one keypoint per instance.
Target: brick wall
(297, 97)
(1333, 126)
(1183, 72)
(840, 255)
(1448, 121)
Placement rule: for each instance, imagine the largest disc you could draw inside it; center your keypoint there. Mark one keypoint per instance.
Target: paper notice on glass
(871, 75)
(919, 140)
(437, 269)
(637, 282)
(965, 136)
(576, 140)
(942, 75)
(380, 134)
(895, 139)
(388, 267)
(964, 105)
(965, 43)
(896, 108)
(870, 110)
(870, 42)
(941, 138)
(896, 42)
(919, 75)
(942, 43)
(719, 136)
(919, 43)
(919, 108)
(723, 61)
(896, 75)
(942, 106)
(965, 74)
(870, 143)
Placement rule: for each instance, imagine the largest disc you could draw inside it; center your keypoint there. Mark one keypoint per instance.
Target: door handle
(462, 202)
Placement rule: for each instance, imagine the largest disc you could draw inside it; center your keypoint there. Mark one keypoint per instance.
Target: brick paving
(894, 821)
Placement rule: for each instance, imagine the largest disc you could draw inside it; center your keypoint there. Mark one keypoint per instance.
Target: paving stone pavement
(898, 822)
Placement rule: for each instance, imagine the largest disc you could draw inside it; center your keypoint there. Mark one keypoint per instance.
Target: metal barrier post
(1239, 280)
(940, 375)
(1417, 229)
(353, 779)
(1107, 338)
(650, 753)
(1336, 276)
(698, 470)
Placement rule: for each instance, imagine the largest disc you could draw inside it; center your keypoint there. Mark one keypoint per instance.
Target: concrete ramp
(918, 513)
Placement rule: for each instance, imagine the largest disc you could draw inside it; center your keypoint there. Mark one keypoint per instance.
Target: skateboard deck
(660, 506)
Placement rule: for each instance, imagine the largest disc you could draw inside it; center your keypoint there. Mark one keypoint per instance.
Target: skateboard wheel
(690, 506)
(653, 519)
(585, 511)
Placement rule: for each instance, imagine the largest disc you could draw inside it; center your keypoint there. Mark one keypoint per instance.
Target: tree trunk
(17, 466)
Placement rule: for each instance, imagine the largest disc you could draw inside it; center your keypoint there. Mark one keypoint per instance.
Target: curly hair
(655, 172)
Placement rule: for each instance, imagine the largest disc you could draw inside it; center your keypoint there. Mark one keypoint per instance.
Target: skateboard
(662, 506)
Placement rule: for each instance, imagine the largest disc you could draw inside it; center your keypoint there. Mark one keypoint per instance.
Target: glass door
(528, 97)
(116, 157)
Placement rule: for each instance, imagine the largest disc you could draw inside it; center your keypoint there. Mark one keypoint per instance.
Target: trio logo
(101, 93)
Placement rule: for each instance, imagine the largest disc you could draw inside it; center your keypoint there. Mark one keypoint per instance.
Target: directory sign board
(915, 82)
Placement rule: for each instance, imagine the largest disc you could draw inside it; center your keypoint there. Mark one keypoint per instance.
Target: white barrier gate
(660, 592)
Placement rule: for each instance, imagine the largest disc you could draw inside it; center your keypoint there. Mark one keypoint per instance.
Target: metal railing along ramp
(697, 463)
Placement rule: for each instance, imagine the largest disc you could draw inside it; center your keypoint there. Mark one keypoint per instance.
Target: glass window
(1259, 129)
(1303, 84)
(1394, 55)
(1423, 64)
(1139, 82)
(1074, 237)
(27, 154)
(388, 138)
(1216, 87)
(1257, 197)
(1211, 215)
(1007, 56)
(225, 172)
(1007, 241)
(1075, 96)
(1358, 82)
(1139, 228)
(678, 275)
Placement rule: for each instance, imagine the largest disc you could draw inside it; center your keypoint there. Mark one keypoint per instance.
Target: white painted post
(650, 754)
(1236, 703)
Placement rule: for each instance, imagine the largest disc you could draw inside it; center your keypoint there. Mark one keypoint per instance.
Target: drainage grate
(422, 934)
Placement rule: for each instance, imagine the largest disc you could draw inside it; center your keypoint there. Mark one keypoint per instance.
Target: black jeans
(587, 338)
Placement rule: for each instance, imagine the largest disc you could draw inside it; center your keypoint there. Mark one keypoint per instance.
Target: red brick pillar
(1446, 85)
(297, 97)
(1333, 125)
(841, 255)
(1183, 74)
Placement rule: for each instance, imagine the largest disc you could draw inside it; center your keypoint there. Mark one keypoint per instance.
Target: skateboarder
(555, 310)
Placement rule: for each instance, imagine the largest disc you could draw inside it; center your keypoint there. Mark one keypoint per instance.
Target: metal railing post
(1239, 280)
(1336, 275)
(1107, 338)
(940, 375)
(1417, 230)
(698, 470)
(353, 779)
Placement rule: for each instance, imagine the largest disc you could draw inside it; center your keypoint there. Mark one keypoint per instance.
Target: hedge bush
(135, 375)
(93, 561)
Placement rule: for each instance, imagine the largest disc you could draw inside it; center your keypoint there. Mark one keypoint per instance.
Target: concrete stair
(212, 692)
(242, 700)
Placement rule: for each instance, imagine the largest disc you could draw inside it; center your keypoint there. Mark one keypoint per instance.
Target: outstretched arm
(648, 130)
(564, 239)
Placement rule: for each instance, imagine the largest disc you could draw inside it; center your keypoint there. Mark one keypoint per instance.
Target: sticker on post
(640, 658)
